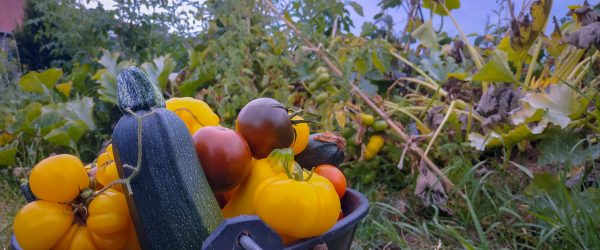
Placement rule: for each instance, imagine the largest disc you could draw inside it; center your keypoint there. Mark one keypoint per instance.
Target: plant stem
(439, 129)
(536, 53)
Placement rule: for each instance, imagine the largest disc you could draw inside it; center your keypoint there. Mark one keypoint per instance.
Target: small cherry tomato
(302, 134)
(334, 175)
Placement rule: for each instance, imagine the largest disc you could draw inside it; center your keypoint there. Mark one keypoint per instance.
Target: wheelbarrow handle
(248, 243)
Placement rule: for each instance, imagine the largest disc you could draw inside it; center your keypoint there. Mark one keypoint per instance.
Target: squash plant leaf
(8, 153)
(496, 69)
(558, 101)
(39, 82)
(510, 138)
(68, 134)
(426, 35)
(433, 5)
(524, 32)
(159, 69)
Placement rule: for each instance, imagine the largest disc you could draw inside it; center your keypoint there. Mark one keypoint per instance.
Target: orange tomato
(334, 175)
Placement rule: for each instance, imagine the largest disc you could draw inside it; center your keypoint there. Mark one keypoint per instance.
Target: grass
(11, 201)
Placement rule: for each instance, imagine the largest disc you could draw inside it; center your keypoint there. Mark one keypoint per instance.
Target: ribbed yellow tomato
(77, 237)
(194, 113)
(242, 202)
(297, 208)
(116, 240)
(58, 178)
(108, 213)
(302, 134)
(40, 224)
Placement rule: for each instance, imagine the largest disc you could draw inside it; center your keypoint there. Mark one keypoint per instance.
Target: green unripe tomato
(313, 86)
(347, 132)
(321, 98)
(380, 125)
(321, 70)
(367, 119)
(323, 78)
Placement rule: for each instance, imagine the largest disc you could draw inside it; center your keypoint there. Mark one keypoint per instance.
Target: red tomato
(224, 156)
(334, 175)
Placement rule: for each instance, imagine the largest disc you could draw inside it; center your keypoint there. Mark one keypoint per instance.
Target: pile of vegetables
(252, 170)
(268, 165)
(73, 210)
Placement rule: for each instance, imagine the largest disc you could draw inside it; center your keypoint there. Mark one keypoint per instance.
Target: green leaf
(31, 82)
(48, 120)
(357, 8)
(544, 182)
(426, 35)
(287, 16)
(493, 139)
(188, 88)
(68, 134)
(377, 63)
(108, 86)
(433, 5)
(159, 69)
(560, 146)
(558, 101)
(50, 77)
(495, 70)
(80, 110)
(8, 154)
(361, 66)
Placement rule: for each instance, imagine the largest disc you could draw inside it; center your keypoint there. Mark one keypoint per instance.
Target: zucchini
(171, 204)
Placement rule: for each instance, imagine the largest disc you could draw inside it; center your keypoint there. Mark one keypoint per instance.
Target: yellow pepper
(194, 113)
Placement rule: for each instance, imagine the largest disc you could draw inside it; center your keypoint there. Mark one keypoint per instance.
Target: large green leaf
(39, 82)
(561, 146)
(159, 69)
(426, 35)
(68, 134)
(558, 102)
(8, 154)
(80, 110)
(493, 139)
(496, 69)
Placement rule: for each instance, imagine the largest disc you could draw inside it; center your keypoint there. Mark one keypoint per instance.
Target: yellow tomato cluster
(66, 216)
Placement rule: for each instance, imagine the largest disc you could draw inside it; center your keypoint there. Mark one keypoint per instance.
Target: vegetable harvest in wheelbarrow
(172, 174)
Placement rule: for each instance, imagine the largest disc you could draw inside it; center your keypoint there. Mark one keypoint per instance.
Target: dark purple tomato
(224, 156)
(266, 125)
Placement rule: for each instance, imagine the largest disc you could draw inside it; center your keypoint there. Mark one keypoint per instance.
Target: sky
(471, 16)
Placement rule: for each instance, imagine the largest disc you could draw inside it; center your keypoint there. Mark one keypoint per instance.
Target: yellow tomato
(194, 113)
(373, 146)
(103, 159)
(116, 240)
(241, 203)
(108, 213)
(133, 243)
(58, 178)
(77, 237)
(40, 224)
(109, 151)
(302, 134)
(107, 174)
(297, 209)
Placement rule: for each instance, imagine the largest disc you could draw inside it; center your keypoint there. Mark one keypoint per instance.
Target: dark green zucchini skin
(172, 205)
(322, 148)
